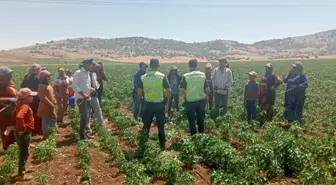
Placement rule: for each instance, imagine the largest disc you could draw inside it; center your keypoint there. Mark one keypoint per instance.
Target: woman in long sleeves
(61, 88)
(101, 76)
(46, 109)
(31, 81)
(295, 94)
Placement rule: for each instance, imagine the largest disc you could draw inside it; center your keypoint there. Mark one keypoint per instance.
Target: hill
(141, 48)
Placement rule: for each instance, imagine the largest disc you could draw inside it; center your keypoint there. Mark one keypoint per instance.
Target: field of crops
(231, 152)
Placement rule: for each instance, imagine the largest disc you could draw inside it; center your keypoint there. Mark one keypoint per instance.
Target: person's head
(297, 68)
(68, 72)
(269, 68)
(61, 72)
(87, 64)
(154, 64)
(173, 69)
(25, 95)
(252, 75)
(208, 68)
(45, 76)
(5, 75)
(193, 63)
(222, 62)
(143, 66)
(35, 69)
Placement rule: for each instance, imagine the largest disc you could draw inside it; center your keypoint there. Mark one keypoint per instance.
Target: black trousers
(173, 99)
(23, 142)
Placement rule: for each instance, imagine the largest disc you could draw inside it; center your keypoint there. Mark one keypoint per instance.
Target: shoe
(88, 136)
(24, 177)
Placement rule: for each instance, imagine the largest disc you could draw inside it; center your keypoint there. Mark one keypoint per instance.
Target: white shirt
(81, 82)
(95, 83)
(222, 79)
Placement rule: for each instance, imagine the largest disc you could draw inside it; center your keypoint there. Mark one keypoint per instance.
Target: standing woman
(7, 99)
(295, 93)
(101, 76)
(46, 109)
(174, 80)
(31, 81)
(61, 88)
(94, 96)
(268, 85)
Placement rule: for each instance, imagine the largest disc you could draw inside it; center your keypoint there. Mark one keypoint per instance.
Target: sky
(26, 22)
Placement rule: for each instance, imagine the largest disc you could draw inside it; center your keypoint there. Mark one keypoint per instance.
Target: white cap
(208, 65)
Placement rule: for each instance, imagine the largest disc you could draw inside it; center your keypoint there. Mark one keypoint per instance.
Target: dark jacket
(32, 82)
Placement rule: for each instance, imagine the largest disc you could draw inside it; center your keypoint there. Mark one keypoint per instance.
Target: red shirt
(23, 117)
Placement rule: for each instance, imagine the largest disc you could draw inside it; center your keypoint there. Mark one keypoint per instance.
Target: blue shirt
(301, 83)
(137, 79)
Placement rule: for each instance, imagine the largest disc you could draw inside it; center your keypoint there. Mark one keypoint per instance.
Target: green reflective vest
(195, 86)
(152, 86)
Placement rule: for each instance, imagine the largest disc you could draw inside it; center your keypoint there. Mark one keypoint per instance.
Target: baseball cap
(173, 67)
(252, 73)
(208, 65)
(44, 74)
(4, 71)
(298, 64)
(61, 69)
(154, 62)
(270, 65)
(35, 66)
(142, 64)
(193, 63)
(25, 92)
(87, 61)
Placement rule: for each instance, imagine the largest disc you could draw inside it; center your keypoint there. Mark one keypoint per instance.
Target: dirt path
(63, 169)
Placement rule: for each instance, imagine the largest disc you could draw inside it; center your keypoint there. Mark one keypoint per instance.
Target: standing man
(222, 81)
(174, 80)
(195, 87)
(154, 84)
(268, 85)
(295, 94)
(136, 81)
(208, 76)
(82, 86)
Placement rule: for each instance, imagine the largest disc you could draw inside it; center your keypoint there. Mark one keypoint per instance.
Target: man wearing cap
(31, 81)
(251, 95)
(8, 95)
(208, 75)
(195, 88)
(83, 88)
(174, 80)
(268, 85)
(137, 103)
(154, 85)
(222, 81)
(61, 88)
(295, 94)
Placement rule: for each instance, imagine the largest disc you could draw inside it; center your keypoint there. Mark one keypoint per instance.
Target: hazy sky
(26, 22)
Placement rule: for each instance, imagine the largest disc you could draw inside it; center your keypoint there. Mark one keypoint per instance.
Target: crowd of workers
(31, 110)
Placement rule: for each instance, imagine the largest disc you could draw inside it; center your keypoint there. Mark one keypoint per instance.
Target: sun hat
(252, 73)
(4, 71)
(35, 66)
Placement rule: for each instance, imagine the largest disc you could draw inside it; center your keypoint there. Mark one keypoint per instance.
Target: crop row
(10, 161)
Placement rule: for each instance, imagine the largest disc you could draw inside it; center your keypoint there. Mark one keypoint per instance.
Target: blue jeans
(137, 104)
(97, 110)
(46, 124)
(251, 109)
(196, 110)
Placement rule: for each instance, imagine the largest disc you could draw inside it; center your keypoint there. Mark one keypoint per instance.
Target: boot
(163, 146)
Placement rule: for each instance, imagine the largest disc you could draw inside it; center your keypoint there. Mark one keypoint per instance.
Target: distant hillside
(309, 46)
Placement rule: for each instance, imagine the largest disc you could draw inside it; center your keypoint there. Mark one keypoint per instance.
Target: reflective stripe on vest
(152, 86)
(195, 86)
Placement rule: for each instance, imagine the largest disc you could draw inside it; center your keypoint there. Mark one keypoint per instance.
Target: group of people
(32, 109)
(154, 94)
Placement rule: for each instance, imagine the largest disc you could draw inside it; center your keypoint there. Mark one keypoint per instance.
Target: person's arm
(304, 84)
(140, 89)
(183, 87)
(43, 97)
(206, 88)
(230, 79)
(19, 118)
(168, 89)
(94, 81)
(278, 81)
(56, 89)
